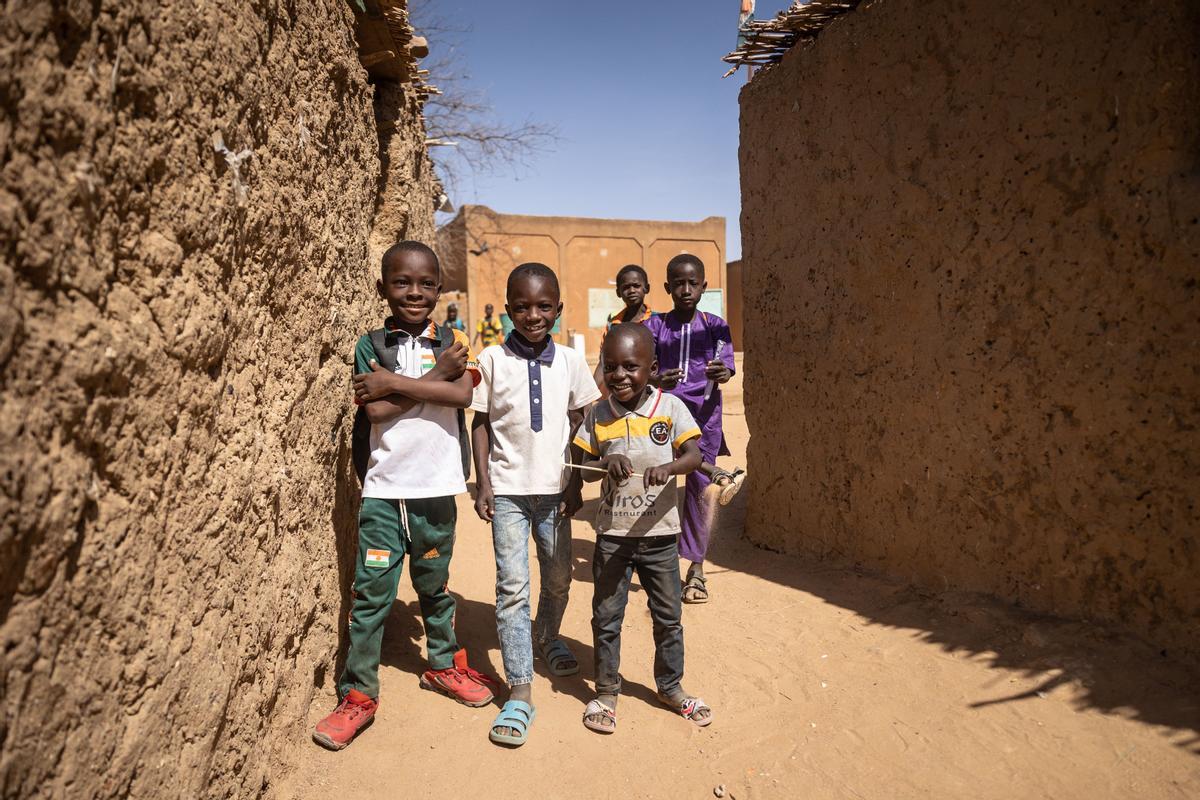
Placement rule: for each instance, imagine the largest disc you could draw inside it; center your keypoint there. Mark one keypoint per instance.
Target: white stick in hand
(708, 389)
(597, 469)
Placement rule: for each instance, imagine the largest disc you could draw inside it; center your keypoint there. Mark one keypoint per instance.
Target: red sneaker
(460, 682)
(355, 712)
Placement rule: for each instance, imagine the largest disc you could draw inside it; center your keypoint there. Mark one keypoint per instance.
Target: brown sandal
(695, 591)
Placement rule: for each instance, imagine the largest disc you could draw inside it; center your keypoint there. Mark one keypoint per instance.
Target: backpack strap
(446, 338)
(387, 346)
(360, 436)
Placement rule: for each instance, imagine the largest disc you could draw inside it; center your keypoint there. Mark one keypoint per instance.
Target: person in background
(452, 320)
(489, 331)
(745, 17)
(695, 356)
(633, 284)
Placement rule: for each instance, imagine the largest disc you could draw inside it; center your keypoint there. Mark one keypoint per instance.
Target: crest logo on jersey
(660, 433)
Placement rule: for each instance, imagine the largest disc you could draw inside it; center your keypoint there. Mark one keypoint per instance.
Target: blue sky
(649, 129)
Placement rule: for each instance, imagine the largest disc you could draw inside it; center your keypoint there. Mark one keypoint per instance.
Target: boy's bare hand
(717, 371)
(451, 364)
(373, 385)
(619, 468)
(657, 476)
(485, 503)
(670, 378)
(570, 504)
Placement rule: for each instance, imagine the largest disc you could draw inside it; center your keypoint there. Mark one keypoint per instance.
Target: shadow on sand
(1111, 672)
(475, 626)
(475, 622)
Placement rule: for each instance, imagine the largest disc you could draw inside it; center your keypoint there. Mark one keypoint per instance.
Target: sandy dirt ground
(824, 684)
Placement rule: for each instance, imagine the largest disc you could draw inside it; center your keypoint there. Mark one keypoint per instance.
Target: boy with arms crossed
(410, 480)
(687, 341)
(530, 390)
(642, 437)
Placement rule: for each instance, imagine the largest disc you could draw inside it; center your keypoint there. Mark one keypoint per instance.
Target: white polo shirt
(416, 454)
(515, 392)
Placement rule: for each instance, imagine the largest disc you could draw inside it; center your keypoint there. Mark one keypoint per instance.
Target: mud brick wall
(975, 231)
(175, 337)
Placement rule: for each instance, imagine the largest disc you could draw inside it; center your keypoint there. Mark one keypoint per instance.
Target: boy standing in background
(452, 320)
(695, 356)
(489, 330)
(633, 284)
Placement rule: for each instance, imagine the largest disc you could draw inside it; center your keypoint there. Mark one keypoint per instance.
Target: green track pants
(387, 530)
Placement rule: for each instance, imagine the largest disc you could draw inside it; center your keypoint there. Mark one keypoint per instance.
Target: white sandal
(689, 708)
(596, 708)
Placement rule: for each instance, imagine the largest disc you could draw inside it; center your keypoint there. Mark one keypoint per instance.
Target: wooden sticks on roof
(765, 41)
(388, 47)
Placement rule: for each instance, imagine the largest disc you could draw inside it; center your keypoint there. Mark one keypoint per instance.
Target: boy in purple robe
(695, 356)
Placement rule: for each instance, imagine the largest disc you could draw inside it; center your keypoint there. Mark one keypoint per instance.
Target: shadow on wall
(344, 521)
(1113, 673)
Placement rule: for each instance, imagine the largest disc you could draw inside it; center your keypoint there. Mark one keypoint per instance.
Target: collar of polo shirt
(645, 409)
(393, 328)
(519, 346)
(523, 348)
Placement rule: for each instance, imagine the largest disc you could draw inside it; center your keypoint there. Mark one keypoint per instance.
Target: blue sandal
(556, 654)
(517, 715)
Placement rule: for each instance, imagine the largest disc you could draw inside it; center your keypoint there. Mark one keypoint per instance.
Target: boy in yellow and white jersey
(638, 430)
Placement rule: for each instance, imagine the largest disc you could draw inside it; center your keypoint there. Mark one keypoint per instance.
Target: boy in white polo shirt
(412, 380)
(531, 393)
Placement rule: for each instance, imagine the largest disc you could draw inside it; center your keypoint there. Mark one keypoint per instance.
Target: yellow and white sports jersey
(648, 436)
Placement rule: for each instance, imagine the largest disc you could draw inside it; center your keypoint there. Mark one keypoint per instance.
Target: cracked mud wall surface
(174, 394)
(972, 234)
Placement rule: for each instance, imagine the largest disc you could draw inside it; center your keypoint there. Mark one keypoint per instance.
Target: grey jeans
(656, 559)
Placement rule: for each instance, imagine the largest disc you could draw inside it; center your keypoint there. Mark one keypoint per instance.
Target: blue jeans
(515, 516)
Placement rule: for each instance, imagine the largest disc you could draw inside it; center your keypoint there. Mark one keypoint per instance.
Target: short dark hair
(635, 331)
(685, 258)
(634, 268)
(408, 246)
(531, 269)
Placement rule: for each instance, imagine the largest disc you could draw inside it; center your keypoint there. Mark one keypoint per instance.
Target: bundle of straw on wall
(765, 41)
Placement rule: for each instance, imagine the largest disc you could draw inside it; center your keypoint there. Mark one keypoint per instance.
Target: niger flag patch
(378, 558)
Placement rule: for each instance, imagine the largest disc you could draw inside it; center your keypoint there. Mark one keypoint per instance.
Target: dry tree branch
(483, 143)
